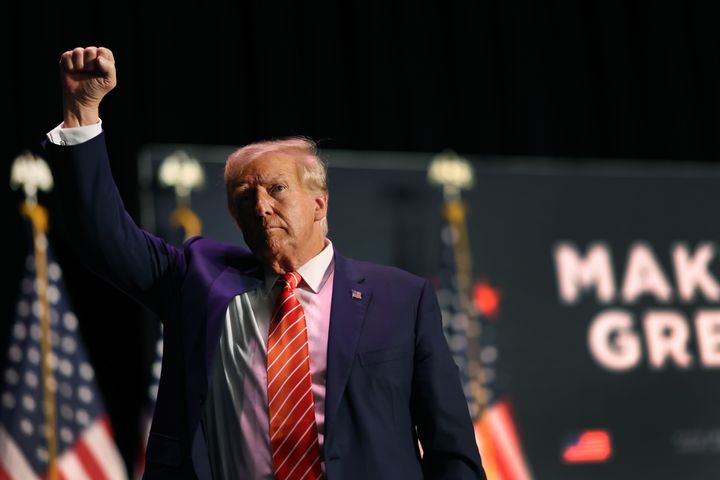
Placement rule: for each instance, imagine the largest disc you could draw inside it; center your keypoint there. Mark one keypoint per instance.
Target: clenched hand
(87, 75)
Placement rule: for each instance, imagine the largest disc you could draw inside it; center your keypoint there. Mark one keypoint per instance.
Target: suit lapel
(350, 299)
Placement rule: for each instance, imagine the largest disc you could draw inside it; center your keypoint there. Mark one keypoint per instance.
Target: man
(290, 362)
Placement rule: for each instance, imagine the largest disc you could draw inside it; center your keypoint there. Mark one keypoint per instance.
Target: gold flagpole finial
(451, 172)
(30, 173)
(182, 172)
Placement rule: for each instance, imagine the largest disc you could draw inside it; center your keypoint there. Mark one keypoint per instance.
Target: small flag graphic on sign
(588, 446)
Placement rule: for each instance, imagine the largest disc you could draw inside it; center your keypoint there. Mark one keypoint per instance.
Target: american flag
(470, 333)
(149, 409)
(456, 317)
(589, 446)
(85, 445)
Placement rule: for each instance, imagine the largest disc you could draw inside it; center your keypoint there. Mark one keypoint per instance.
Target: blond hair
(304, 150)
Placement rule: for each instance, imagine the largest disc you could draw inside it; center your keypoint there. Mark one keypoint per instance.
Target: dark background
(575, 80)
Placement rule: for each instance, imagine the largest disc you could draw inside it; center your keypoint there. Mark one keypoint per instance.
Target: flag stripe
(71, 467)
(88, 461)
(508, 452)
(63, 477)
(12, 459)
(102, 444)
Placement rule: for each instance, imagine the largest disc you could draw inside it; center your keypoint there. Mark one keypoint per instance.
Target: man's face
(279, 217)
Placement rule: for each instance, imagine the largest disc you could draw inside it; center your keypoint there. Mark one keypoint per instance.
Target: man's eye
(242, 198)
(278, 188)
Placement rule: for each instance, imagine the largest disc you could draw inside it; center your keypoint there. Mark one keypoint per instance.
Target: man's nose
(263, 204)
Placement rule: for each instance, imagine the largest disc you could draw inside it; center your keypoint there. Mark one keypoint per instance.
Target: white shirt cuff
(74, 136)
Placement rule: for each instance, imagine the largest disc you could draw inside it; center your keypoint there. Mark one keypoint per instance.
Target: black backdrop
(576, 79)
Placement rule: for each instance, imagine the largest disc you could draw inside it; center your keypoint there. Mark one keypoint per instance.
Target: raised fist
(87, 75)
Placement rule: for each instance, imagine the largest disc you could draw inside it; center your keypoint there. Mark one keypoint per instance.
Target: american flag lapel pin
(357, 295)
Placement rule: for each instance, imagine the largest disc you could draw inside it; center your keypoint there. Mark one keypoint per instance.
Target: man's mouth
(270, 230)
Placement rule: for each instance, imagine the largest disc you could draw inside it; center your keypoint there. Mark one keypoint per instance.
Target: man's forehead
(263, 178)
(269, 165)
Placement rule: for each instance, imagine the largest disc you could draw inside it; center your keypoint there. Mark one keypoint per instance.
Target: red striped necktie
(293, 431)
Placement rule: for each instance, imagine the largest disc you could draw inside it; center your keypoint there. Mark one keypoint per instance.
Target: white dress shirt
(235, 416)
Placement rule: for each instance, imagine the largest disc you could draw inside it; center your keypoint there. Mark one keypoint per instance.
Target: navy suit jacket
(390, 377)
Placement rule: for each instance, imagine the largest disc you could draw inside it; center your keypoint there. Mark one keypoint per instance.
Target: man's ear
(321, 204)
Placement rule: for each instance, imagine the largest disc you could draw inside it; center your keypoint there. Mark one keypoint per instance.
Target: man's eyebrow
(259, 180)
(278, 178)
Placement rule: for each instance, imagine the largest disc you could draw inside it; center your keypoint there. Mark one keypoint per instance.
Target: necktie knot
(291, 279)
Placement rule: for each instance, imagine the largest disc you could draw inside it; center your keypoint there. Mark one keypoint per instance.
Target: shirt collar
(314, 272)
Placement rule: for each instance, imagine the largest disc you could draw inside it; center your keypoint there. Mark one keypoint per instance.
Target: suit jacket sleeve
(439, 407)
(93, 218)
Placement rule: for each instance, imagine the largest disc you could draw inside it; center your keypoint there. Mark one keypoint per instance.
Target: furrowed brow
(274, 180)
(245, 185)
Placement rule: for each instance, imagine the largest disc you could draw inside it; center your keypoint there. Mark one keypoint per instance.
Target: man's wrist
(80, 119)
(75, 115)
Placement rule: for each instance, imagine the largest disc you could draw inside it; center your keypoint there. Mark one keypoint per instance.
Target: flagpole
(31, 173)
(39, 218)
(455, 214)
(454, 174)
